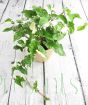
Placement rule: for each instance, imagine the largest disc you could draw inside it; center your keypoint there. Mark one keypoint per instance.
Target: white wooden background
(63, 79)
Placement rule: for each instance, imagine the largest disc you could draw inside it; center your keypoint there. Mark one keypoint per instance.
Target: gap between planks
(77, 47)
(71, 44)
(3, 17)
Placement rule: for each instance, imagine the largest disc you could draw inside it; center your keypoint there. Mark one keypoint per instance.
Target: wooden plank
(6, 56)
(5, 72)
(80, 54)
(84, 6)
(36, 72)
(15, 97)
(3, 6)
(61, 75)
(12, 97)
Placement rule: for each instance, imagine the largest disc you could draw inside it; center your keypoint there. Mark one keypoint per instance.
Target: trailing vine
(40, 29)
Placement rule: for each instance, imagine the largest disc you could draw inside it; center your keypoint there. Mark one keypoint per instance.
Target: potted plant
(40, 32)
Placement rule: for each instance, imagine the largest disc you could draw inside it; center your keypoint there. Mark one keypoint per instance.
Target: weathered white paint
(3, 6)
(62, 84)
(61, 71)
(80, 42)
(12, 96)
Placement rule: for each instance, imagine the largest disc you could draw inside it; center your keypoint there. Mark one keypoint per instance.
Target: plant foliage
(39, 30)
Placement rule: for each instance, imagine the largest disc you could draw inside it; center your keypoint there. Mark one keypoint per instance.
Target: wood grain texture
(5, 65)
(17, 94)
(12, 96)
(58, 78)
(63, 85)
(79, 42)
(3, 7)
(84, 6)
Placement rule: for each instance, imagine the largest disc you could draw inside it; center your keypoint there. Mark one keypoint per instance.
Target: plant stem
(43, 95)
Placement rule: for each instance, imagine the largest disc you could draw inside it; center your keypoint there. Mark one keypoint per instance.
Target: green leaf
(53, 16)
(9, 20)
(67, 11)
(19, 80)
(59, 49)
(21, 42)
(27, 60)
(46, 98)
(59, 26)
(29, 13)
(17, 47)
(50, 30)
(41, 51)
(36, 20)
(58, 36)
(43, 20)
(47, 35)
(82, 27)
(23, 70)
(40, 11)
(19, 21)
(63, 18)
(7, 29)
(35, 86)
(33, 46)
(19, 34)
(71, 27)
(73, 16)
